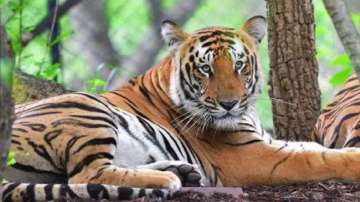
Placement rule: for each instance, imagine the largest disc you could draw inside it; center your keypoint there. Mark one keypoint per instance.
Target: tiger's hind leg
(189, 174)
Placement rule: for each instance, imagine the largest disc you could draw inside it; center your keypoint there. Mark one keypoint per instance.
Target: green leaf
(50, 72)
(341, 77)
(95, 85)
(341, 60)
(11, 158)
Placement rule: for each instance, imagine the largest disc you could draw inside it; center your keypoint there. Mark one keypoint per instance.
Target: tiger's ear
(256, 27)
(172, 34)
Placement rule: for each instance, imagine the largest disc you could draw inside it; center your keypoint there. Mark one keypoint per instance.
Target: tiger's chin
(227, 123)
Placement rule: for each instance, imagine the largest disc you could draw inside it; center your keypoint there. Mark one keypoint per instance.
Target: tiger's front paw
(188, 174)
(170, 181)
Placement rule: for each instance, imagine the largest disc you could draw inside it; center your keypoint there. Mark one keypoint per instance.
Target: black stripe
(246, 131)
(20, 130)
(29, 168)
(97, 141)
(347, 89)
(69, 104)
(144, 91)
(48, 189)
(94, 98)
(37, 114)
(69, 146)
(76, 122)
(277, 164)
(157, 193)
(36, 126)
(169, 147)
(151, 135)
(41, 151)
(15, 142)
(50, 136)
(352, 142)
(97, 191)
(66, 193)
(125, 98)
(244, 143)
(96, 118)
(88, 160)
(174, 140)
(124, 193)
(29, 194)
(338, 126)
(8, 191)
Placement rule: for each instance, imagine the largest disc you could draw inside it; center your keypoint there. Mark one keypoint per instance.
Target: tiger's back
(339, 123)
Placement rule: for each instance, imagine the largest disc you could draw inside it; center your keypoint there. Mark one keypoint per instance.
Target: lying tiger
(188, 121)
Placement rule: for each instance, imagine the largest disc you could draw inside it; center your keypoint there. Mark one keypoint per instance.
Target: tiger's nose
(228, 105)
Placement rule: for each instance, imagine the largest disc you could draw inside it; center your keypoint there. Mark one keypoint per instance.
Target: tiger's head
(216, 71)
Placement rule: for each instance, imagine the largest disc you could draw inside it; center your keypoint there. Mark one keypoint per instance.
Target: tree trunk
(346, 31)
(6, 103)
(91, 39)
(293, 68)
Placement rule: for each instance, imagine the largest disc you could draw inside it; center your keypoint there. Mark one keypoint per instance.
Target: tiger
(339, 123)
(188, 121)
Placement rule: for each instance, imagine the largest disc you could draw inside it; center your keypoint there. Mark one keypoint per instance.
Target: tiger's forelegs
(284, 163)
(126, 177)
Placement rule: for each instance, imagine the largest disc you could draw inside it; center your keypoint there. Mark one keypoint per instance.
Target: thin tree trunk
(293, 68)
(346, 30)
(54, 28)
(91, 39)
(44, 24)
(6, 103)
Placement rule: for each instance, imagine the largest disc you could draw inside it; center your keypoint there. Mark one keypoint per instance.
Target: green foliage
(11, 158)
(95, 85)
(341, 76)
(50, 72)
(6, 71)
(10, 161)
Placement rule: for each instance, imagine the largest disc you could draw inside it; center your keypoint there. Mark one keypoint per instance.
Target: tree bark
(6, 102)
(27, 88)
(293, 68)
(346, 31)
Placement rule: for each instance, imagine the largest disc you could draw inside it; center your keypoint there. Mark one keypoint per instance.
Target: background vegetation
(128, 22)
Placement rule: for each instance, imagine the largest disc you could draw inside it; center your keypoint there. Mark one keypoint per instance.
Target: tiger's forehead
(222, 37)
(215, 41)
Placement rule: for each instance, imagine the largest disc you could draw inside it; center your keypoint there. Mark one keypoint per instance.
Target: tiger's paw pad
(187, 173)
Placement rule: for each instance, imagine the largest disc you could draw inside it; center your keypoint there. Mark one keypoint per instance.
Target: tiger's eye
(239, 64)
(206, 69)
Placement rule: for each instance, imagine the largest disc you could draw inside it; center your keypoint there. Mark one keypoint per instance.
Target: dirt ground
(325, 191)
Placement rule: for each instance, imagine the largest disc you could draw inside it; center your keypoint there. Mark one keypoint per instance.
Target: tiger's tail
(24, 192)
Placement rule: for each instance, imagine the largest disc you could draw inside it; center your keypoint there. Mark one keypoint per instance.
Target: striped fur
(338, 124)
(188, 121)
